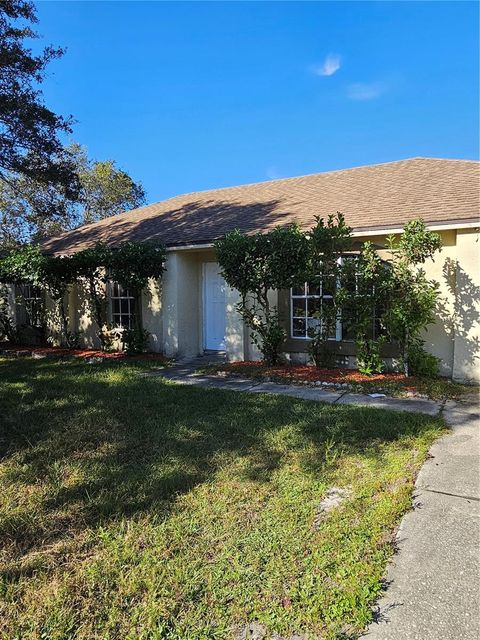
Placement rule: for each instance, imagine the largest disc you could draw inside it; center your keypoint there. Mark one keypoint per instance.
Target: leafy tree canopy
(31, 210)
(30, 144)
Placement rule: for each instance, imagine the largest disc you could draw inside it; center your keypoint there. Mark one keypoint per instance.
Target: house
(192, 309)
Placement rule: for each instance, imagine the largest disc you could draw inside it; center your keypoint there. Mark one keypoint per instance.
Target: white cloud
(331, 65)
(365, 90)
(272, 173)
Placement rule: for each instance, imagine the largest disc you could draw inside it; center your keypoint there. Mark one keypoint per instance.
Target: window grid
(33, 302)
(304, 303)
(123, 306)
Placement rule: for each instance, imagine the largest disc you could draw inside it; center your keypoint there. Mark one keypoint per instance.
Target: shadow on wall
(195, 222)
(464, 319)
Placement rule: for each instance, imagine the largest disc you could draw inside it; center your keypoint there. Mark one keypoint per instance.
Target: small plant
(421, 362)
(135, 340)
(318, 350)
(268, 338)
(108, 336)
(72, 339)
(369, 360)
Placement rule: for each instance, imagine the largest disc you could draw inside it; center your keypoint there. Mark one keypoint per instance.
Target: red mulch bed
(12, 349)
(313, 374)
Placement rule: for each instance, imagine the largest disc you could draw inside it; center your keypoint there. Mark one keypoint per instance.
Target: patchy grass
(392, 384)
(134, 508)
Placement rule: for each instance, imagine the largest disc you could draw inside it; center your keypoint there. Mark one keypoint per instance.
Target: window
(307, 300)
(30, 309)
(123, 305)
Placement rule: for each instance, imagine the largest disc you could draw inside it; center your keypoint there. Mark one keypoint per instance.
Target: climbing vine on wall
(131, 264)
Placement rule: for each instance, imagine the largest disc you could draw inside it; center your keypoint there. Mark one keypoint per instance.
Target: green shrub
(268, 338)
(319, 350)
(369, 360)
(72, 339)
(135, 340)
(422, 363)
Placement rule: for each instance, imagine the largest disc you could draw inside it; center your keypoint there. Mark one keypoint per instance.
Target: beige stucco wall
(151, 311)
(466, 352)
(182, 299)
(439, 337)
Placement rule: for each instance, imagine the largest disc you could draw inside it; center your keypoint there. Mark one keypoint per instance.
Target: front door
(214, 307)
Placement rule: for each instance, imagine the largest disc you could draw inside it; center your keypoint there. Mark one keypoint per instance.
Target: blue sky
(192, 96)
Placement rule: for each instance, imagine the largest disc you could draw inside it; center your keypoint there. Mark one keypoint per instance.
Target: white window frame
(33, 301)
(305, 296)
(122, 291)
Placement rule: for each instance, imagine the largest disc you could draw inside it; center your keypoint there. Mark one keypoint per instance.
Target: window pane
(313, 288)
(115, 306)
(314, 305)
(298, 291)
(299, 328)
(124, 306)
(299, 307)
(313, 323)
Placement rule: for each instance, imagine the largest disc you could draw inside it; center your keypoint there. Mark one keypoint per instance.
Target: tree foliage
(30, 143)
(376, 301)
(31, 210)
(106, 191)
(328, 241)
(256, 264)
(413, 296)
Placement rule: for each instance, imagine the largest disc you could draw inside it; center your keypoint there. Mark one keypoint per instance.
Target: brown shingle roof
(379, 196)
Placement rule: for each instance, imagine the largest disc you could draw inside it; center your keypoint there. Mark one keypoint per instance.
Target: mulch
(302, 373)
(20, 350)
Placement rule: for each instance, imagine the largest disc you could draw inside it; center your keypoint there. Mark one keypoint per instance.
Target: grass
(133, 508)
(392, 384)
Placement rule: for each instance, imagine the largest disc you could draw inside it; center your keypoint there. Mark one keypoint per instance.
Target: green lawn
(133, 508)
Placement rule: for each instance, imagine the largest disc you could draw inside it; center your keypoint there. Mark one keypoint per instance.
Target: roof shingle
(379, 196)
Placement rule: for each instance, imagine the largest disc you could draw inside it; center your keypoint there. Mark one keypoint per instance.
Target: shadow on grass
(105, 443)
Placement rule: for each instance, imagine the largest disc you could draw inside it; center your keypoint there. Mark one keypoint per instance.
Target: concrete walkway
(185, 373)
(434, 581)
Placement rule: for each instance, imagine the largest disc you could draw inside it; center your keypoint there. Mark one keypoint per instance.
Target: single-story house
(192, 310)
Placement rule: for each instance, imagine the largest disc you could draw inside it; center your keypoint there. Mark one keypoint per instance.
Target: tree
(367, 280)
(31, 210)
(30, 143)
(412, 296)
(107, 191)
(254, 265)
(327, 243)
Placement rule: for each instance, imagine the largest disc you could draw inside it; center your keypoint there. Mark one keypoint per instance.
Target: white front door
(214, 307)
